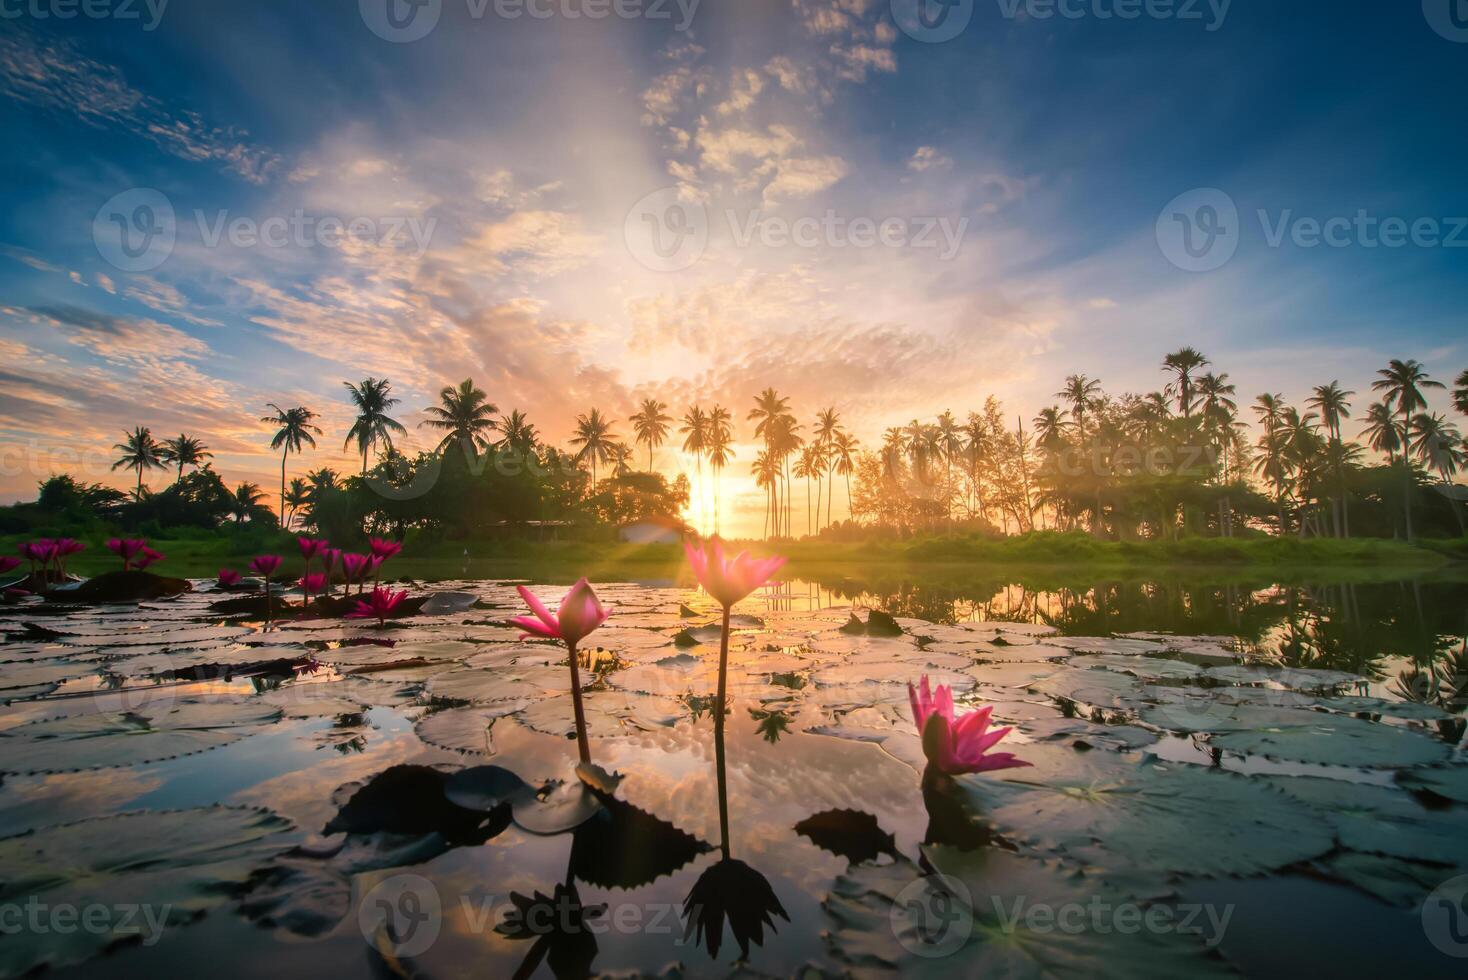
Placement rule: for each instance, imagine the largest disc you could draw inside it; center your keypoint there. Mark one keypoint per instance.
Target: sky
(887, 209)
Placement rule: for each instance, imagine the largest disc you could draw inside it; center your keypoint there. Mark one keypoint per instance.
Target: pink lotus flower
(313, 582)
(354, 566)
(380, 603)
(330, 556)
(69, 546)
(127, 549)
(148, 557)
(312, 548)
(8, 564)
(41, 550)
(579, 614)
(957, 746)
(265, 565)
(383, 548)
(229, 578)
(726, 580)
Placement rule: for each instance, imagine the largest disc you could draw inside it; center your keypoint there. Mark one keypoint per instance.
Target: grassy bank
(203, 553)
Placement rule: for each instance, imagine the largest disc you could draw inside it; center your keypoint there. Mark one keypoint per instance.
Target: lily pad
(179, 864)
(465, 729)
(989, 913)
(1101, 809)
(1448, 782)
(480, 685)
(1379, 820)
(105, 741)
(559, 808)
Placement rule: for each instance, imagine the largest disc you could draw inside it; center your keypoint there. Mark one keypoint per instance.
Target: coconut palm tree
(621, 459)
(808, 465)
(785, 441)
(184, 451)
(695, 432)
(1080, 391)
(766, 472)
(720, 449)
(1382, 432)
(1436, 442)
(595, 437)
(843, 451)
(827, 427)
(372, 399)
(321, 481)
(1182, 364)
(1050, 429)
(138, 451)
(1330, 401)
(296, 497)
(247, 503)
(650, 425)
(1460, 393)
(294, 428)
(1401, 384)
(465, 415)
(517, 434)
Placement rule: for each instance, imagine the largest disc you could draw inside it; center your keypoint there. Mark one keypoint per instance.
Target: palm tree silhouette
(650, 424)
(595, 437)
(720, 449)
(766, 472)
(1330, 400)
(517, 434)
(294, 429)
(844, 446)
(1401, 384)
(372, 399)
(695, 431)
(184, 451)
(1080, 391)
(298, 496)
(246, 502)
(828, 424)
(1460, 393)
(1436, 441)
(1182, 364)
(769, 408)
(139, 452)
(465, 415)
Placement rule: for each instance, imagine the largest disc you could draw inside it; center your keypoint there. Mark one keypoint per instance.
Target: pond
(1227, 776)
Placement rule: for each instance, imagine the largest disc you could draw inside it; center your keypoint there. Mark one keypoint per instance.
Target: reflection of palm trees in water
(729, 888)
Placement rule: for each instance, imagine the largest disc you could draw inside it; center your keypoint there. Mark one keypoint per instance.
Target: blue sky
(520, 150)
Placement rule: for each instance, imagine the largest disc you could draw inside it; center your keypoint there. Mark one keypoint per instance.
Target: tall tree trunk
(285, 453)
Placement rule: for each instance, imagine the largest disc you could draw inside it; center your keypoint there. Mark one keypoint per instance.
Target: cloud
(926, 158)
(58, 77)
(130, 340)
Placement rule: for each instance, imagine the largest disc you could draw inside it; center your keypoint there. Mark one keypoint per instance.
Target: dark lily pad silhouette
(179, 864)
(731, 890)
(878, 624)
(411, 799)
(120, 586)
(484, 787)
(851, 834)
(625, 847)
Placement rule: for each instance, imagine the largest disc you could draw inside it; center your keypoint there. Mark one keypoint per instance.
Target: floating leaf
(465, 729)
(561, 807)
(1101, 809)
(851, 834)
(1448, 782)
(151, 733)
(1378, 820)
(993, 914)
(484, 787)
(175, 864)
